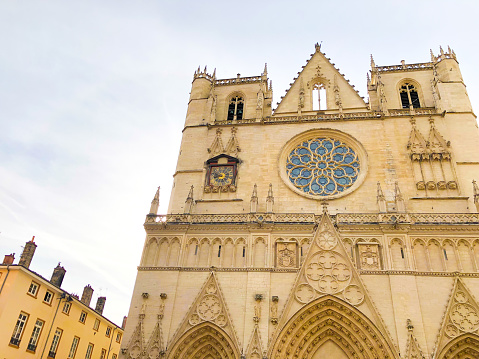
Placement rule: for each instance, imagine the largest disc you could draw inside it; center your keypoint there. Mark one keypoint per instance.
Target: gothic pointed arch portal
(204, 341)
(465, 346)
(330, 325)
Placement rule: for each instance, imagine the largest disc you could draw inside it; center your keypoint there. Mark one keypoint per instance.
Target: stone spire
(254, 200)
(189, 201)
(270, 199)
(381, 200)
(155, 202)
(476, 194)
(398, 198)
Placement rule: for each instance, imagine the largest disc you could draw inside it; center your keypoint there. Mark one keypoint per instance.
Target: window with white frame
(73, 348)
(108, 332)
(66, 308)
(48, 297)
(103, 354)
(33, 289)
(18, 330)
(55, 341)
(82, 317)
(96, 325)
(89, 351)
(37, 329)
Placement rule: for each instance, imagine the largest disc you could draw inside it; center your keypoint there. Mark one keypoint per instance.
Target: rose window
(322, 166)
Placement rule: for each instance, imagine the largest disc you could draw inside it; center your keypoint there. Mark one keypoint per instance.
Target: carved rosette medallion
(194, 319)
(328, 272)
(465, 317)
(451, 331)
(221, 320)
(353, 295)
(209, 307)
(327, 241)
(211, 289)
(304, 293)
(460, 297)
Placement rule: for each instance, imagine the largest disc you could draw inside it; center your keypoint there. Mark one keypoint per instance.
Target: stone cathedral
(324, 226)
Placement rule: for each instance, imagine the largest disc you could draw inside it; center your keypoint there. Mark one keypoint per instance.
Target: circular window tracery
(323, 164)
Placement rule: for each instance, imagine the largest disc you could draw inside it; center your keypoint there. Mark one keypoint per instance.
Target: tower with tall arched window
(327, 225)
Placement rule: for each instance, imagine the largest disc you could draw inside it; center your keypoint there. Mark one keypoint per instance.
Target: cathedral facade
(321, 227)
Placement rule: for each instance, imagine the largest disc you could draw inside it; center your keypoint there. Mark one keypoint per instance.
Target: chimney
(100, 305)
(87, 294)
(27, 254)
(123, 324)
(8, 260)
(58, 275)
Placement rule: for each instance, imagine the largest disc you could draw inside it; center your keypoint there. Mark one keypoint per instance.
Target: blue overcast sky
(93, 96)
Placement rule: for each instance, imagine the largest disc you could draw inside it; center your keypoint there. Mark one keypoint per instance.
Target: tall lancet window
(409, 96)
(235, 108)
(319, 97)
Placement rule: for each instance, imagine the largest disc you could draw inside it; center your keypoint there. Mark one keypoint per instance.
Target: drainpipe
(111, 340)
(63, 296)
(8, 272)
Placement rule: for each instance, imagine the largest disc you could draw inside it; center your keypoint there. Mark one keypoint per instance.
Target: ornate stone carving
(286, 254)
(369, 256)
(328, 272)
(209, 307)
(353, 295)
(304, 293)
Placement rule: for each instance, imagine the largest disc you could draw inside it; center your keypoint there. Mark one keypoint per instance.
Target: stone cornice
(216, 269)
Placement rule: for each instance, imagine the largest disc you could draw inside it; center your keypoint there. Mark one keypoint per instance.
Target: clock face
(221, 175)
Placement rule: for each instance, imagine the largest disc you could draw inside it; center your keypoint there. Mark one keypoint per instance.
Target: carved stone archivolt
(328, 318)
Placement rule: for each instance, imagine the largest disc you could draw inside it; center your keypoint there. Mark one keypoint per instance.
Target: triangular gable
(461, 316)
(413, 351)
(436, 143)
(155, 347)
(255, 346)
(209, 306)
(232, 147)
(416, 143)
(136, 345)
(318, 69)
(328, 270)
(217, 146)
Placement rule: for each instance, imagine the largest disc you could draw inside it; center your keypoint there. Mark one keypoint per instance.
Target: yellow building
(326, 226)
(40, 320)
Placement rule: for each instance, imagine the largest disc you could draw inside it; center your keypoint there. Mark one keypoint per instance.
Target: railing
(416, 111)
(14, 341)
(405, 67)
(239, 80)
(233, 218)
(311, 218)
(408, 218)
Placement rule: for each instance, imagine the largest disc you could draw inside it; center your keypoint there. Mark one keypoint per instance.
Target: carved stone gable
(208, 307)
(327, 270)
(255, 347)
(461, 316)
(136, 346)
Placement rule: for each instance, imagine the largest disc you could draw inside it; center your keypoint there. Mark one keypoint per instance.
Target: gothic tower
(329, 226)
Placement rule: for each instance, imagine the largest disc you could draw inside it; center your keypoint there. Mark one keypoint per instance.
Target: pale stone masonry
(326, 226)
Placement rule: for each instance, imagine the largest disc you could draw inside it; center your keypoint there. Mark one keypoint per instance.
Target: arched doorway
(330, 328)
(465, 346)
(204, 341)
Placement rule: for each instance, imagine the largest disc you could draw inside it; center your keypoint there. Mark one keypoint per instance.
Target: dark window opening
(244, 251)
(235, 108)
(219, 251)
(402, 253)
(409, 96)
(445, 253)
(196, 250)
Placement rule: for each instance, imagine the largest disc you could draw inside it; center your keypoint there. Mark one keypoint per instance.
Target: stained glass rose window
(323, 163)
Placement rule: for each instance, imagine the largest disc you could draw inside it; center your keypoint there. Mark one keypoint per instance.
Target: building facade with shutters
(40, 320)
(327, 227)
